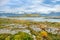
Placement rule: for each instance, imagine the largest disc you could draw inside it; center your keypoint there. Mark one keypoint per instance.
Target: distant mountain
(10, 14)
(30, 15)
(18, 15)
(54, 14)
(51, 14)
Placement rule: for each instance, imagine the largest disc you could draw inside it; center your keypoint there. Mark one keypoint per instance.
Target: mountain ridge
(38, 14)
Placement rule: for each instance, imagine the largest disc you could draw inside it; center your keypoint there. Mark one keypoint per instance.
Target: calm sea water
(37, 19)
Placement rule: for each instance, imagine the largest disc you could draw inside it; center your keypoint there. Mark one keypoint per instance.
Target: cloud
(3, 2)
(55, 0)
(43, 9)
(20, 6)
(57, 8)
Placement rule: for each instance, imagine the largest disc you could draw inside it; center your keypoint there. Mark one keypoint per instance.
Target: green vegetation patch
(18, 36)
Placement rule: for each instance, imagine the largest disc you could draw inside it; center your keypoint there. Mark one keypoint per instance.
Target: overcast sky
(42, 6)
